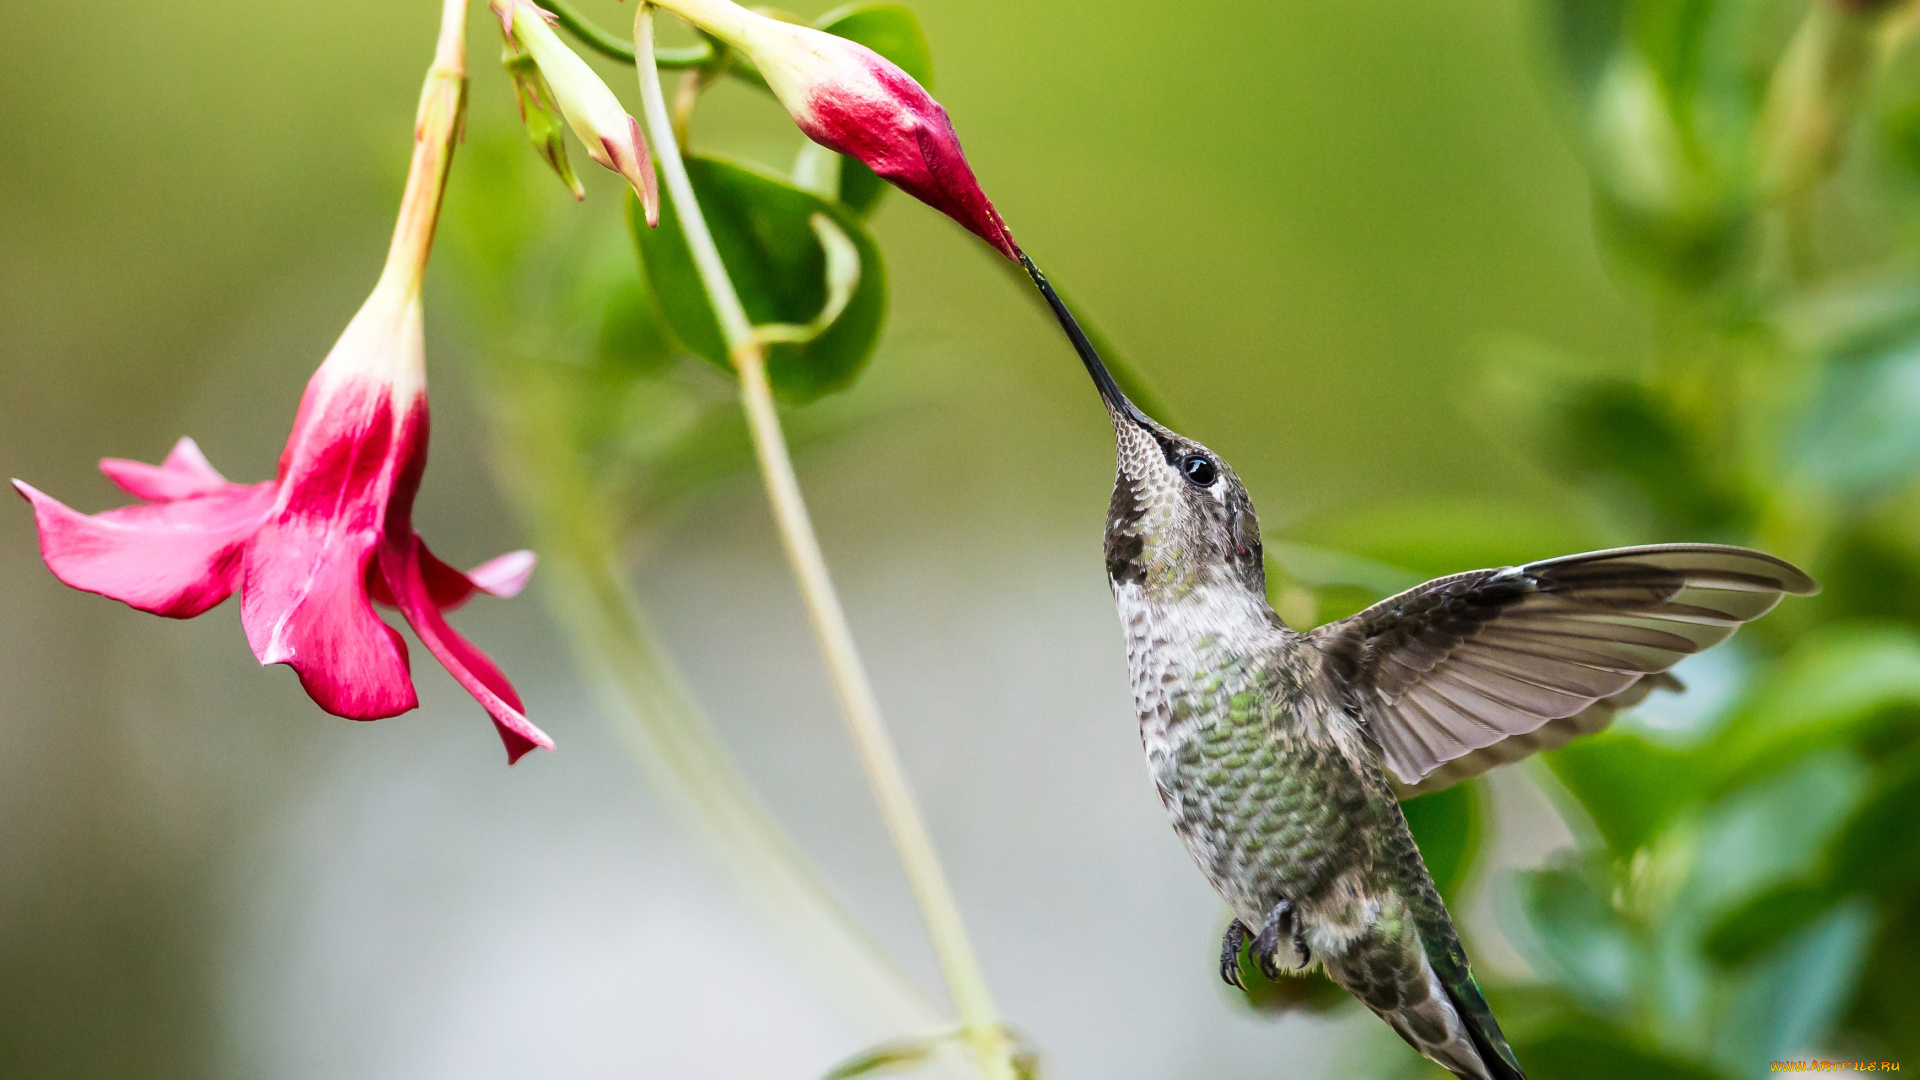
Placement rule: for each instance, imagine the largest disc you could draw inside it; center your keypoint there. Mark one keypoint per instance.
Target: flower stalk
(992, 1048)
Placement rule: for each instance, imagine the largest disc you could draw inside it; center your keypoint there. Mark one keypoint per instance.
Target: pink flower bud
(851, 99)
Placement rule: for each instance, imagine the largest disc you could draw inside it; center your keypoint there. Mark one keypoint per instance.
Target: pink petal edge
(184, 474)
(506, 575)
(175, 559)
(401, 564)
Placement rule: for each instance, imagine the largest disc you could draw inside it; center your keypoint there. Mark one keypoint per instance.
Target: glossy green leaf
(1627, 785)
(1447, 825)
(763, 228)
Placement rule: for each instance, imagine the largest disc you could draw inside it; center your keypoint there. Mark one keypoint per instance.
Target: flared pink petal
(503, 576)
(174, 558)
(400, 563)
(302, 605)
(184, 474)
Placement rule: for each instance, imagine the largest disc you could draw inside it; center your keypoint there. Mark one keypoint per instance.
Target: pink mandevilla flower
(851, 99)
(312, 550)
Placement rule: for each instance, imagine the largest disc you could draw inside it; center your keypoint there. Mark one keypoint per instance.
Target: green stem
(965, 980)
(689, 768)
(611, 45)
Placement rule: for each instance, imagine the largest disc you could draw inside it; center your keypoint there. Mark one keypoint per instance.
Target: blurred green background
(1353, 246)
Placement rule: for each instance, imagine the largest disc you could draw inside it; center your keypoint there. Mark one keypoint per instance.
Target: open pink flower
(311, 551)
(848, 98)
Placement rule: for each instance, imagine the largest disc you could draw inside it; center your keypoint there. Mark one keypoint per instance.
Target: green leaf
(1833, 683)
(1616, 432)
(1878, 848)
(1762, 923)
(1863, 433)
(1447, 826)
(1789, 1000)
(1590, 1056)
(1575, 931)
(1629, 787)
(763, 228)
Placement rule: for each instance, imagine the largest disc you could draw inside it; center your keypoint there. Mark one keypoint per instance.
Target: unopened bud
(611, 136)
(539, 114)
(851, 99)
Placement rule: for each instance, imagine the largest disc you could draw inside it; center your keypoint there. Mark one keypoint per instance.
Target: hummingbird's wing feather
(1487, 667)
(1551, 735)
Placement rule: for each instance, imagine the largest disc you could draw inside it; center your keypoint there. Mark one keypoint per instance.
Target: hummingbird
(1281, 756)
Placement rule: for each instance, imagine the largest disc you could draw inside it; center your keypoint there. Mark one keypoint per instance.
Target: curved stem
(993, 1050)
(613, 46)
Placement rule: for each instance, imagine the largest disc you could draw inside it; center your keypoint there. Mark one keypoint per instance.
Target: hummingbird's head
(1180, 517)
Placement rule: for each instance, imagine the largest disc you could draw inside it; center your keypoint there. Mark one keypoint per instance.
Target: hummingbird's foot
(1230, 945)
(1282, 922)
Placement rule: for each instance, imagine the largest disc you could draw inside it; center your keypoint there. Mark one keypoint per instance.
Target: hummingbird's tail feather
(1448, 1025)
(1410, 970)
(1488, 1041)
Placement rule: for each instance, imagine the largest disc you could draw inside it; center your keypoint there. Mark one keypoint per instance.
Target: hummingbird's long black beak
(1117, 402)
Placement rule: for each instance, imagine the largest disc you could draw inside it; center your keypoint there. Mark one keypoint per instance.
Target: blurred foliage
(1747, 876)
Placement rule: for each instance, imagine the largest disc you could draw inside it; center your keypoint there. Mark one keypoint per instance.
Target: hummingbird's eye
(1198, 469)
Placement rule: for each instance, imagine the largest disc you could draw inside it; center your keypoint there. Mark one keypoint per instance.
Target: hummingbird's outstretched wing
(1454, 670)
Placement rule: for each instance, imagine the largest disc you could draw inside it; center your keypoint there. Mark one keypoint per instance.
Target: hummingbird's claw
(1230, 946)
(1280, 922)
